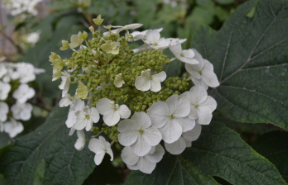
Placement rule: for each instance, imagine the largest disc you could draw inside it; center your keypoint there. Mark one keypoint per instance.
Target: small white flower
(202, 73)
(4, 109)
(147, 81)
(80, 142)
(171, 117)
(186, 56)
(66, 101)
(112, 112)
(23, 93)
(202, 105)
(38, 71)
(118, 82)
(22, 111)
(26, 72)
(13, 128)
(32, 38)
(65, 84)
(140, 35)
(86, 118)
(4, 90)
(154, 41)
(10, 75)
(121, 28)
(138, 133)
(145, 164)
(184, 141)
(100, 147)
(3, 70)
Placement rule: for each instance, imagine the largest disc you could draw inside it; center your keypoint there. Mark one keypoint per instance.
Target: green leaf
(50, 142)
(274, 147)
(2, 180)
(225, 2)
(250, 59)
(40, 171)
(218, 152)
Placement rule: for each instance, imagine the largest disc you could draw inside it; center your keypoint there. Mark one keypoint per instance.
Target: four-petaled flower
(171, 117)
(100, 147)
(138, 133)
(147, 81)
(154, 41)
(85, 118)
(23, 93)
(186, 56)
(112, 112)
(4, 90)
(202, 105)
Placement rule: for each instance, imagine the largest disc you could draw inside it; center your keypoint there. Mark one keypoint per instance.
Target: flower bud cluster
(125, 88)
(14, 94)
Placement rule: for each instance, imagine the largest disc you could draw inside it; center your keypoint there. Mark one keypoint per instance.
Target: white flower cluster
(173, 3)
(16, 75)
(177, 121)
(17, 7)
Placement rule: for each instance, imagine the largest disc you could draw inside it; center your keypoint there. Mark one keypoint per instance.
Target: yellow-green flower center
(171, 116)
(200, 72)
(155, 43)
(181, 54)
(87, 116)
(196, 105)
(141, 131)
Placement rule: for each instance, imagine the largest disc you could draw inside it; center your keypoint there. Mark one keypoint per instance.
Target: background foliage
(250, 58)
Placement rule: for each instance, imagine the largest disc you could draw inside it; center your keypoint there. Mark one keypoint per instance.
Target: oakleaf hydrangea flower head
(4, 90)
(13, 79)
(147, 81)
(169, 117)
(138, 133)
(23, 93)
(22, 111)
(202, 105)
(186, 56)
(202, 73)
(154, 41)
(4, 109)
(145, 164)
(100, 147)
(122, 82)
(80, 142)
(112, 112)
(13, 127)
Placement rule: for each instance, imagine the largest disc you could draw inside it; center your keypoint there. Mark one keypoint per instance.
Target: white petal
(111, 119)
(96, 146)
(99, 158)
(198, 94)
(155, 85)
(152, 136)
(191, 70)
(124, 111)
(158, 113)
(94, 114)
(200, 82)
(210, 102)
(188, 143)
(145, 165)
(128, 125)
(176, 49)
(128, 156)
(186, 123)
(204, 115)
(179, 108)
(161, 76)
(177, 147)
(142, 83)
(71, 132)
(128, 138)
(133, 167)
(189, 53)
(193, 134)
(71, 120)
(152, 36)
(171, 131)
(142, 119)
(105, 106)
(157, 155)
(140, 147)
(210, 79)
(80, 142)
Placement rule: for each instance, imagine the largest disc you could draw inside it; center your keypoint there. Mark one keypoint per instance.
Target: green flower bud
(98, 21)
(83, 35)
